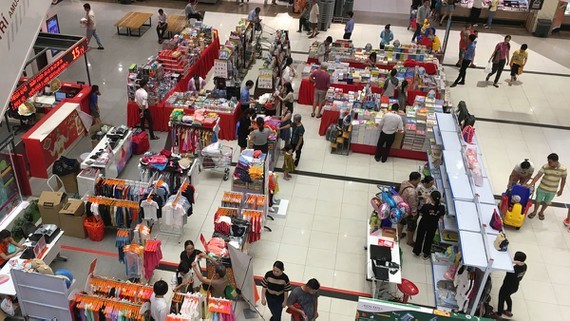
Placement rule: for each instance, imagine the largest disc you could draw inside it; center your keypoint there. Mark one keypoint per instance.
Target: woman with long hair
(432, 211)
(259, 137)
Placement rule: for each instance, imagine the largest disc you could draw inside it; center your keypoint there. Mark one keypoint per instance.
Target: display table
(51, 252)
(121, 154)
(376, 238)
(156, 111)
(401, 153)
(307, 91)
(52, 136)
(329, 117)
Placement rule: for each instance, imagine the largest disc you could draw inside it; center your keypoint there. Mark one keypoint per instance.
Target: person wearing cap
(511, 285)
(141, 99)
(275, 291)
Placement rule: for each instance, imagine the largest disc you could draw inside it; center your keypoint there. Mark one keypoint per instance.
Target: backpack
(140, 142)
(332, 133)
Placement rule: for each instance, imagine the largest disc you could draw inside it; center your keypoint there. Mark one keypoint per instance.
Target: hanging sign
(265, 79)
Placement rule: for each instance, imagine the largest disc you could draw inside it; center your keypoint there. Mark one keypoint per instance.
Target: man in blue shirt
(245, 98)
(467, 59)
(253, 17)
(349, 27)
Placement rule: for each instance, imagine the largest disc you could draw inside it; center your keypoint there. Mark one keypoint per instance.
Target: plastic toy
(515, 213)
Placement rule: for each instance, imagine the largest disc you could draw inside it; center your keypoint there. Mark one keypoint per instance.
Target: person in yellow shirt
(518, 61)
(493, 5)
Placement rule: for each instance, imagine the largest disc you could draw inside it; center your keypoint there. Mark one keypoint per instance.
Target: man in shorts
(322, 81)
(553, 175)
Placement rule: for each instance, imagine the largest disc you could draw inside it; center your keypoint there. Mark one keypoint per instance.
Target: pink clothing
(502, 51)
(192, 84)
(322, 79)
(152, 260)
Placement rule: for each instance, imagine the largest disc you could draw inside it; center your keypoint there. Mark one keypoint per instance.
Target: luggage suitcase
(140, 143)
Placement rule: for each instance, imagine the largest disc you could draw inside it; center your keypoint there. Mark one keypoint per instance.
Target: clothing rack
(111, 201)
(133, 311)
(192, 137)
(173, 230)
(134, 292)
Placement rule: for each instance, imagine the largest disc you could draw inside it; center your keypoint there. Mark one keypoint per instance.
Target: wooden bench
(176, 24)
(133, 20)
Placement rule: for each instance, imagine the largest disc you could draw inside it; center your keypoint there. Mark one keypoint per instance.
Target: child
(511, 285)
(288, 162)
(182, 279)
(158, 310)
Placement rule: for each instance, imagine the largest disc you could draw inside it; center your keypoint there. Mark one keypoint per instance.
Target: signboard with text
(20, 22)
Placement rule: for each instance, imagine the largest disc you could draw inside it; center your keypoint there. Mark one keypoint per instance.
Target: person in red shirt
(500, 57)
(5, 241)
(322, 81)
(465, 32)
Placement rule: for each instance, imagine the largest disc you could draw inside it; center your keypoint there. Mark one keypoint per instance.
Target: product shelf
(438, 271)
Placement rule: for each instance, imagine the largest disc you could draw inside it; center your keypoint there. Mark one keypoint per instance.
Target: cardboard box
(398, 140)
(69, 182)
(72, 216)
(50, 203)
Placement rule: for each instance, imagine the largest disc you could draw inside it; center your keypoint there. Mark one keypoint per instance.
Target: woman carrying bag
(499, 59)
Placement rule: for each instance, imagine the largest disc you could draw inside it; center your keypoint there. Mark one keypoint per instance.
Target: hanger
(185, 181)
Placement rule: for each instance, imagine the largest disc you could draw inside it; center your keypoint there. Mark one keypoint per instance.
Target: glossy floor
(322, 235)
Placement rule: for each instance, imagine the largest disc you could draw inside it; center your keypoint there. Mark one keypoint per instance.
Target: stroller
(514, 215)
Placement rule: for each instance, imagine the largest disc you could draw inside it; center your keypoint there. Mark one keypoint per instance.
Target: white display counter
(114, 163)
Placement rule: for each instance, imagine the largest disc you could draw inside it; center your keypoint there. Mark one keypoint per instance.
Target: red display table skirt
(329, 117)
(401, 153)
(307, 91)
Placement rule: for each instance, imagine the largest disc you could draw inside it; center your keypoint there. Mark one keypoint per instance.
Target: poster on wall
(535, 4)
(375, 310)
(62, 137)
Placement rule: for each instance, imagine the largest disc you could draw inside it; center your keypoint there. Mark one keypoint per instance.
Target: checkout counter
(112, 153)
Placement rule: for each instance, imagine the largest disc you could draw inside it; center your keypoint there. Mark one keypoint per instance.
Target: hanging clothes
(152, 257)
(175, 209)
(255, 219)
(134, 261)
(124, 237)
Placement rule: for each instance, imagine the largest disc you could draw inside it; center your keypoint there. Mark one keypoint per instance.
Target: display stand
(469, 207)
(117, 160)
(41, 296)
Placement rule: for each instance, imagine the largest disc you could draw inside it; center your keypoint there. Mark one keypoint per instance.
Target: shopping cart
(217, 157)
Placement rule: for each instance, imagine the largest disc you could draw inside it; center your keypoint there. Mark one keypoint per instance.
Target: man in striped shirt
(553, 174)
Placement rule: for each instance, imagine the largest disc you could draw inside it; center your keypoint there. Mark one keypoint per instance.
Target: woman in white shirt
(288, 72)
(425, 187)
(314, 19)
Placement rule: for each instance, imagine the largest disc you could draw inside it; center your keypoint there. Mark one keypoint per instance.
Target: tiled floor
(322, 235)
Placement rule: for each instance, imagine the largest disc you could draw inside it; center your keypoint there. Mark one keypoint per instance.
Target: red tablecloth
(329, 117)
(159, 114)
(307, 91)
(402, 153)
(358, 65)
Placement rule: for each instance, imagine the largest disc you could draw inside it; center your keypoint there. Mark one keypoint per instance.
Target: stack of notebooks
(420, 119)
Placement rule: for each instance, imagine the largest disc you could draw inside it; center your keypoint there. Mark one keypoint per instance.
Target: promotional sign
(20, 22)
(265, 79)
(371, 309)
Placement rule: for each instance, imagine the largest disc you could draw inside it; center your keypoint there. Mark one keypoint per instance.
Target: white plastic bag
(489, 68)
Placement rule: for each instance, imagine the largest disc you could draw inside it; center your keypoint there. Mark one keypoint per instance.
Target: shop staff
(90, 26)
(141, 98)
(432, 211)
(390, 123)
(245, 98)
(349, 27)
(191, 255)
(553, 175)
(5, 241)
(162, 25)
(275, 291)
(196, 85)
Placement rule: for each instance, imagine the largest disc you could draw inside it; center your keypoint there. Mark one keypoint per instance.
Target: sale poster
(61, 138)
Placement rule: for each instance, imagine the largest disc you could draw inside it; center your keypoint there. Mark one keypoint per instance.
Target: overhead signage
(20, 22)
(51, 71)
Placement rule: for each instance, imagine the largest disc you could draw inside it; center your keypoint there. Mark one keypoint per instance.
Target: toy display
(388, 208)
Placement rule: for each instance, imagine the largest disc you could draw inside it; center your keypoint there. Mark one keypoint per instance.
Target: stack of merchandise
(189, 100)
(420, 120)
(232, 199)
(249, 173)
(160, 82)
(175, 60)
(342, 50)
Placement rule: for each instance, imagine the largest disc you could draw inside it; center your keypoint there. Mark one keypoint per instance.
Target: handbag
(501, 243)
(496, 222)
(468, 132)
(489, 68)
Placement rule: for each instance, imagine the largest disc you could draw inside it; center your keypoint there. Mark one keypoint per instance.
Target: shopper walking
(386, 36)
(190, 11)
(521, 174)
(349, 27)
(162, 25)
(275, 290)
(553, 175)
(141, 99)
(314, 19)
(403, 95)
(475, 12)
(322, 81)
(297, 139)
(91, 26)
(409, 193)
(217, 283)
(500, 57)
(304, 18)
(253, 17)
(94, 104)
(304, 301)
(158, 307)
(423, 13)
(244, 128)
(464, 34)
(511, 285)
(260, 136)
(389, 124)
(449, 9)
(391, 84)
(431, 212)
(323, 50)
(518, 61)
(467, 59)
(424, 189)
(493, 5)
